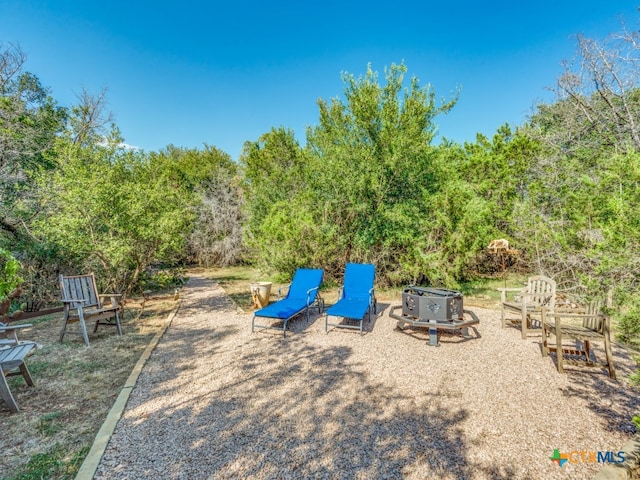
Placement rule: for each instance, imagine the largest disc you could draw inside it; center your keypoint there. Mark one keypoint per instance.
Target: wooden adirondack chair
(540, 291)
(12, 363)
(82, 303)
(9, 333)
(590, 325)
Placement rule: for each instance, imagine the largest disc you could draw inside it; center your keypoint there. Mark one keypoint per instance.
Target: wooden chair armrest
(6, 328)
(558, 317)
(575, 315)
(504, 290)
(9, 333)
(114, 297)
(570, 311)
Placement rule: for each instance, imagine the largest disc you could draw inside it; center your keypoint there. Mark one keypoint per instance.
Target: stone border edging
(622, 471)
(90, 464)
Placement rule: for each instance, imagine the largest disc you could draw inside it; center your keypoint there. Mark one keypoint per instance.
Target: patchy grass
(50, 424)
(58, 462)
(75, 387)
(484, 292)
(236, 280)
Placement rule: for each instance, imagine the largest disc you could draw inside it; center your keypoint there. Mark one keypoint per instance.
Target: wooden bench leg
(503, 299)
(525, 319)
(609, 356)
(5, 393)
(587, 351)
(83, 328)
(111, 322)
(65, 320)
(118, 327)
(559, 357)
(26, 374)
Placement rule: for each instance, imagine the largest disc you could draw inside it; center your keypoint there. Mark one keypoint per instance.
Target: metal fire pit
(435, 309)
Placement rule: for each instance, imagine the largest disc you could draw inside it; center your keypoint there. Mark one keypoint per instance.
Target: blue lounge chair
(302, 295)
(356, 296)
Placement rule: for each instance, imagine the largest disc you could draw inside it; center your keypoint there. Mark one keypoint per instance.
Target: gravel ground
(216, 401)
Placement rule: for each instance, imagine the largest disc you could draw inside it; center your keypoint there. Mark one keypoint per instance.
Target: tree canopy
(371, 183)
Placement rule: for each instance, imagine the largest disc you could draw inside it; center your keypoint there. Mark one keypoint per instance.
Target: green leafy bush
(10, 280)
(163, 279)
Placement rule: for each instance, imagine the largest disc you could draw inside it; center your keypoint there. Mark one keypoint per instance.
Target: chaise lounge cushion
(285, 308)
(350, 308)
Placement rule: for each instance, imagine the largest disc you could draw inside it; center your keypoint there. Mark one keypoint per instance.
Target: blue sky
(221, 73)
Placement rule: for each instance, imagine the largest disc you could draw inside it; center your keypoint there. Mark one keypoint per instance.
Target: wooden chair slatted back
(542, 291)
(80, 287)
(595, 319)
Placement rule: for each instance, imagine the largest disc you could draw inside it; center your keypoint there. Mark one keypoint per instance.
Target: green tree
(480, 184)
(274, 171)
(577, 218)
(30, 120)
(275, 174)
(113, 210)
(358, 190)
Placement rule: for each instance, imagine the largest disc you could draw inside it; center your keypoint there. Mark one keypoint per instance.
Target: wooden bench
(589, 325)
(82, 303)
(539, 292)
(12, 363)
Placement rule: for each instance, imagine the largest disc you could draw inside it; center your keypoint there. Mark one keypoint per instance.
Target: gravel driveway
(216, 401)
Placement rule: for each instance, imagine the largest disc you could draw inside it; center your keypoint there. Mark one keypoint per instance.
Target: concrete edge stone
(90, 465)
(622, 471)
